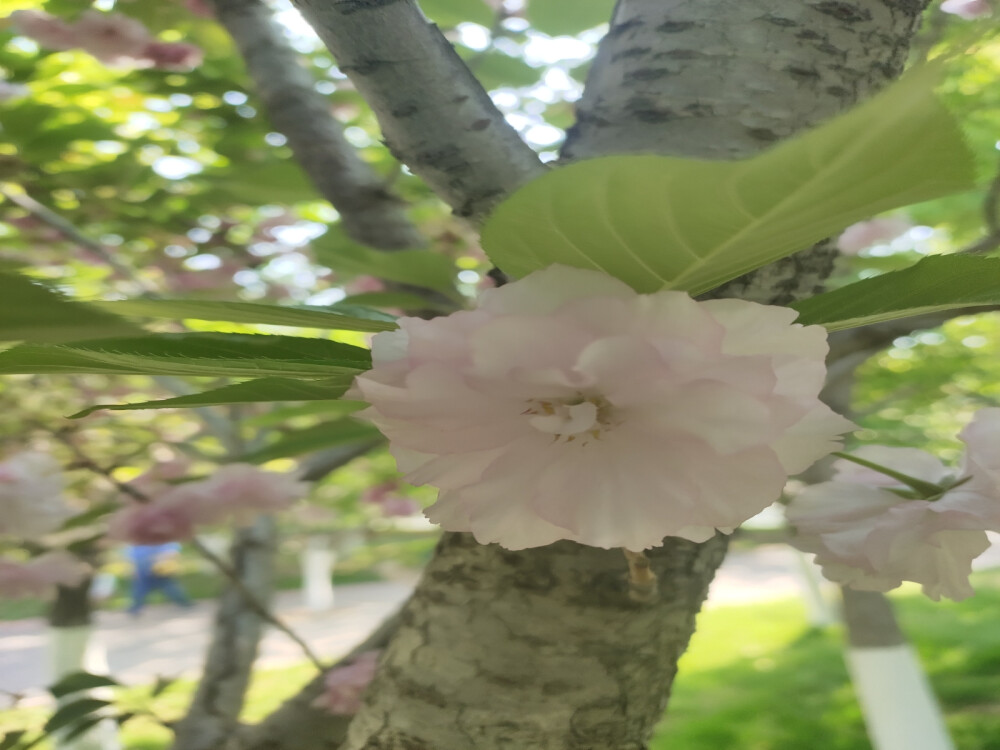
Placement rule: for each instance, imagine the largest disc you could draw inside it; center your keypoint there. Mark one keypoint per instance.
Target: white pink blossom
(169, 518)
(967, 9)
(869, 533)
(50, 32)
(36, 576)
(569, 407)
(112, 38)
(345, 686)
(171, 55)
(864, 234)
(239, 489)
(31, 495)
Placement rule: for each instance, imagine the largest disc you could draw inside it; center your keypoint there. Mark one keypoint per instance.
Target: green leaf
(281, 415)
(77, 681)
(11, 740)
(262, 390)
(73, 712)
(659, 222)
(210, 354)
(89, 516)
(326, 435)
(357, 319)
(453, 12)
(418, 267)
(32, 312)
(568, 17)
(159, 687)
(400, 300)
(942, 282)
(82, 727)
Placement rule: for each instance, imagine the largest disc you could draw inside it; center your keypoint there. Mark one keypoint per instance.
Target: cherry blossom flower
(345, 686)
(967, 9)
(171, 55)
(36, 576)
(864, 234)
(112, 38)
(867, 534)
(31, 499)
(244, 489)
(169, 518)
(569, 407)
(50, 32)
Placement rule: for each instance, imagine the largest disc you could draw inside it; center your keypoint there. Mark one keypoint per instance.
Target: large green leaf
(937, 283)
(211, 354)
(326, 435)
(32, 312)
(560, 17)
(418, 267)
(659, 222)
(77, 681)
(359, 318)
(262, 390)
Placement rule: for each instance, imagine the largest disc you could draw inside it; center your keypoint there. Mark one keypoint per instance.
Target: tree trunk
(544, 648)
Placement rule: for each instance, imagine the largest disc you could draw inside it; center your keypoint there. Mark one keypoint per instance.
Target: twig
(50, 218)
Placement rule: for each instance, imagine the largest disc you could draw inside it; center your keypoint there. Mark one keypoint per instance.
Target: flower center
(582, 416)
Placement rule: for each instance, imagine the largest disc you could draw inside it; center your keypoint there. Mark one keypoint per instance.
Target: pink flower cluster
(31, 495)
(569, 407)
(967, 9)
(236, 492)
(386, 498)
(869, 534)
(345, 686)
(112, 38)
(38, 575)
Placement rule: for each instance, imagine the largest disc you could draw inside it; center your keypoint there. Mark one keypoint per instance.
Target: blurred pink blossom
(111, 37)
(345, 686)
(569, 407)
(967, 9)
(864, 234)
(31, 495)
(50, 32)
(398, 507)
(364, 285)
(36, 576)
(200, 8)
(240, 489)
(171, 517)
(171, 55)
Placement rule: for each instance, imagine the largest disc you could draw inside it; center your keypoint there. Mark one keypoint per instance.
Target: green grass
(756, 677)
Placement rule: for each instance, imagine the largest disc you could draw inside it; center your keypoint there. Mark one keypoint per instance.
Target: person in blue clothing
(154, 566)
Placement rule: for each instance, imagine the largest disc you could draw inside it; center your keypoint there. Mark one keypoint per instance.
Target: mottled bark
(369, 212)
(214, 710)
(434, 115)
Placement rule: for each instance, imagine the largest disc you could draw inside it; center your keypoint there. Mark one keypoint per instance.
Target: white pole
(317, 561)
(900, 710)
(819, 613)
(74, 649)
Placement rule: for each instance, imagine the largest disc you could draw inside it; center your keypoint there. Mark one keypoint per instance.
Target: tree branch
(369, 212)
(434, 115)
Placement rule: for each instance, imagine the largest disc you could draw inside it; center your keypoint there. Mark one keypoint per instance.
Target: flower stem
(925, 489)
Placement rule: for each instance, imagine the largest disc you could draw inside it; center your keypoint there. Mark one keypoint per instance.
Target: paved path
(170, 642)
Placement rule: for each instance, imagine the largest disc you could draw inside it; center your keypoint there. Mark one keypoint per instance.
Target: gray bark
(434, 115)
(214, 710)
(369, 212)
(544, 648)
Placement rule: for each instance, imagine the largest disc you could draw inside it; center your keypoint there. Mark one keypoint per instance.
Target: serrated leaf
(73, 712)
(32, 312)
(310, 439)
(10, 740)
(209, 354)
(418, 267)
(262, 390)
(663, 223)
(568, 17)
(357, 318)
(78, 681)
(937, 283)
